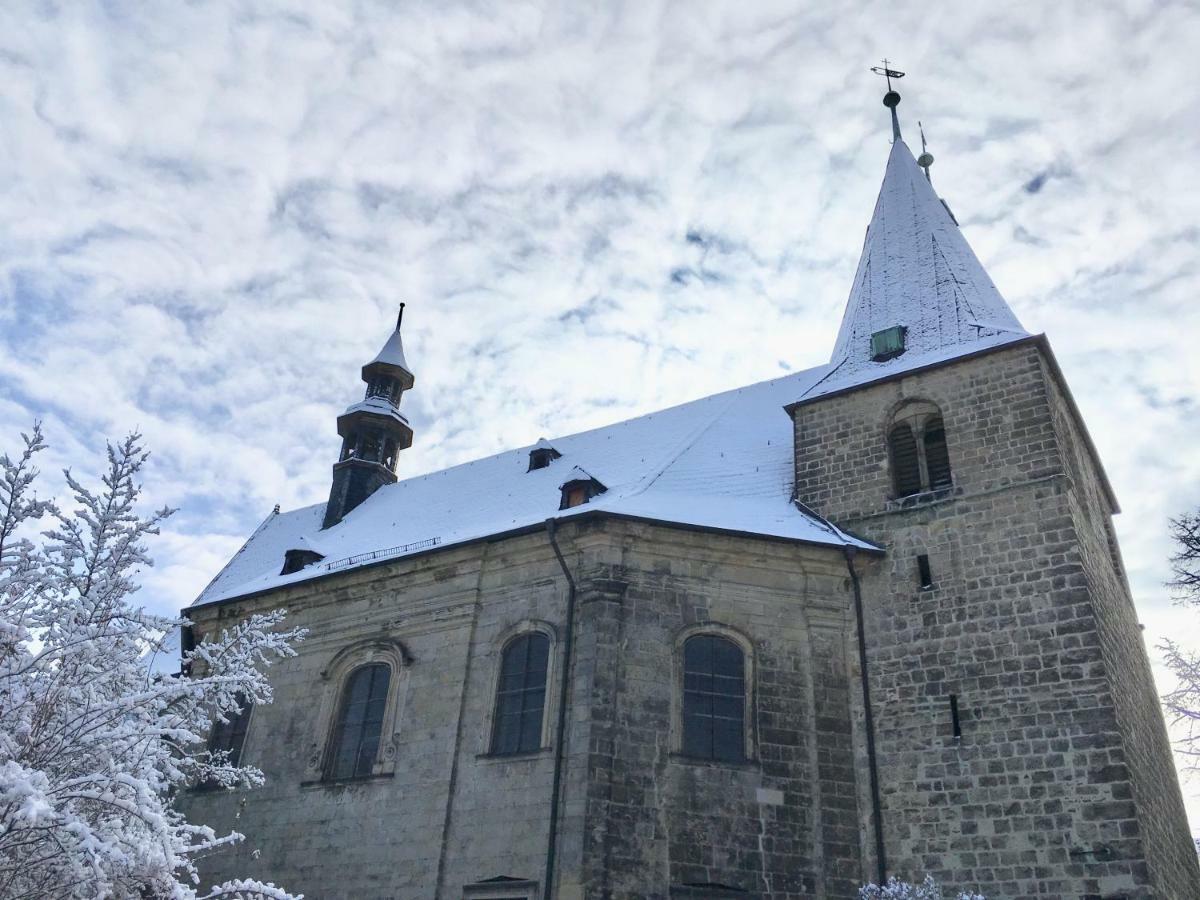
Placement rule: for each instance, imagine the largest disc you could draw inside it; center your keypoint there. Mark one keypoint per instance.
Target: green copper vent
(888, 343)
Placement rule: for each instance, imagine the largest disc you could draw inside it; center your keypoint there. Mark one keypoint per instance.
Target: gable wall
(1041, 777)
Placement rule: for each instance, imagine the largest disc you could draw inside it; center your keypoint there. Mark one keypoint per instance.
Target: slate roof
(916, 270)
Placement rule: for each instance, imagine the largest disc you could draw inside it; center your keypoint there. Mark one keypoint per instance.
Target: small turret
(373, 431)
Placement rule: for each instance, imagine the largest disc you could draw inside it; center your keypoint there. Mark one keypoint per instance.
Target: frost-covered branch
(1182, 705)
(93, 745)
(903, 890)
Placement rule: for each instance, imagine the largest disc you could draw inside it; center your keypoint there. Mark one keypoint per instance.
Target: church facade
(863, 620)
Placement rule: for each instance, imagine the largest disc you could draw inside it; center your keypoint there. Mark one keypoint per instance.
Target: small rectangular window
(955, 724)
(924, 572)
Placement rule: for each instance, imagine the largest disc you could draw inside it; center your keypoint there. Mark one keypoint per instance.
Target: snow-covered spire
(373, 431)
(391, 355)
(919, 294)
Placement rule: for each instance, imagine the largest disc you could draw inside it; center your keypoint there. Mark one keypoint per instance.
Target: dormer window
(542, 455)
(580, 491)
(295, 560)
(888, 344)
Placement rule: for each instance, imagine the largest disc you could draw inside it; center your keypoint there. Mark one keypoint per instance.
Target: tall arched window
(714, 698)
(355, 740)
(917, 450)
(521, 694)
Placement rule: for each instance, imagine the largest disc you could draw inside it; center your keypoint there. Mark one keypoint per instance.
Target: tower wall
(1026, 625)
(1169, 848)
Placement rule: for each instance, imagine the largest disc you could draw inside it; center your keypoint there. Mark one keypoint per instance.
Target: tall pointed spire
(920, 294)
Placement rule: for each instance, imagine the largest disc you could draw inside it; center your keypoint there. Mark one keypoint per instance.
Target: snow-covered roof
(378, 406)
(916, 271)
(392, 353)
(723, 462)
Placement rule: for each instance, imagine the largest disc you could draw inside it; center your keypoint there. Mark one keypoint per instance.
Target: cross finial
(891, 99)
(887, 72)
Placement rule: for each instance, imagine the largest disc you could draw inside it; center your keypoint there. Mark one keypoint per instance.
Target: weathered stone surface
(1062, 783)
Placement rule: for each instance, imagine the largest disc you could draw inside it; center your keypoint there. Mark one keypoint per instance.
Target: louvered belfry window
(937, 458)
(917, 450)
(906, 464)
(714, 699)
(359, 723)
(521, 695)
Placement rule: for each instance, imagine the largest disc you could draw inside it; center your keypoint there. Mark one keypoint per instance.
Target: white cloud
(211, 211)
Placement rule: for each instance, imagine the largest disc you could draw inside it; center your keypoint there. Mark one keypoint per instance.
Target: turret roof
(392, 353)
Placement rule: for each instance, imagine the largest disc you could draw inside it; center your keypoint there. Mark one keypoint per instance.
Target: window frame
(335, 677)
(917, 416)
(549, 705)
(247, 711)
(337, 731)
(749, 710)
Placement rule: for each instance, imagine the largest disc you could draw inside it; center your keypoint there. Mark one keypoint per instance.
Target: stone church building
(864, 619)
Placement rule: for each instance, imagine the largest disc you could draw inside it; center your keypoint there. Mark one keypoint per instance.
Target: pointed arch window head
(917, 450)
(714, 699)
(361, 711)
(521, 695)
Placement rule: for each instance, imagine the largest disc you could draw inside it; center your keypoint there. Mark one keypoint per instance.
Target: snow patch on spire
(917, 272)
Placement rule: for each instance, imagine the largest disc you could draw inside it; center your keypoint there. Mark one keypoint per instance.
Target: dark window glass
(359, 723)
(714, 699)
(521, 695)
(937, 459)
(230, 736)
(906, 467)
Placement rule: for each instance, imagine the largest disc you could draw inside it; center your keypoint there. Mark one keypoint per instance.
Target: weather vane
(891, 99)
(887, 73)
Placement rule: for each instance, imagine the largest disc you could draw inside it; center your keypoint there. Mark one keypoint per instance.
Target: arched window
(355, 739)
(521, 694)
(917, 450)
(714, 699)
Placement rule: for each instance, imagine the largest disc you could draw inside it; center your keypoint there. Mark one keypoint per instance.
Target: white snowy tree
(93, 744)
(904, 890)
(1183, 703)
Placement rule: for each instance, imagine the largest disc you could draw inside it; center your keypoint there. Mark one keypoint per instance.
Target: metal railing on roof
(382, 554)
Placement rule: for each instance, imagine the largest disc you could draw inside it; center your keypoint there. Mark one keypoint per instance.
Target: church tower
(1014, 736)
(373, 431)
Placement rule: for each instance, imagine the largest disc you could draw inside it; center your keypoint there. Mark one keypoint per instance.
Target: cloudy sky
(210, 210)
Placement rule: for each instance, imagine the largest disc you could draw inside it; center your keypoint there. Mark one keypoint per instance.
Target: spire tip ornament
(892, 98)
(925, 160)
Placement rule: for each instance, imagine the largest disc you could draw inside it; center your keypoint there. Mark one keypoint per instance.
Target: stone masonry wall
(1040, 781)
(782, 824)
(1160, 819)
(638, 820)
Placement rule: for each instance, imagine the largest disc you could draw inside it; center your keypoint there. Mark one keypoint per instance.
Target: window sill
(744, 764)
(539, 753)
(924, 498)
(347, 782)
